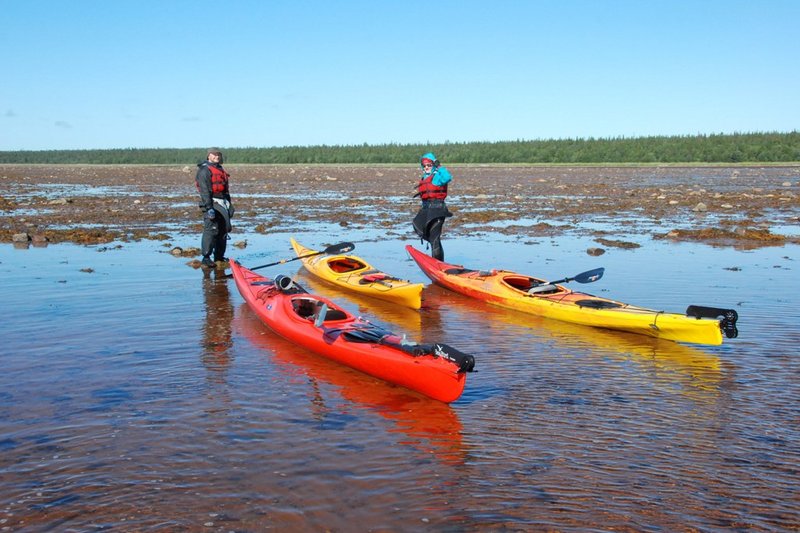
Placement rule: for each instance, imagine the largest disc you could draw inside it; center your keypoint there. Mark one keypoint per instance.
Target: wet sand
(746, 207)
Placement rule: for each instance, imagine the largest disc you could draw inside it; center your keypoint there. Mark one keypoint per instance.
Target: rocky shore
(730, 206)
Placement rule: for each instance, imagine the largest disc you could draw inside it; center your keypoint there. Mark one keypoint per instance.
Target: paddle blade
(590, 275)
(584, 277)
(341, 248)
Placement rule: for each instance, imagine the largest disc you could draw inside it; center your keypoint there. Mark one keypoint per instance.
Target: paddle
(584, 277)
(341, 248)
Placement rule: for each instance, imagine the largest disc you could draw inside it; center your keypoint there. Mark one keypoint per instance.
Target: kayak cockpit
(532, 286)
(310, 309)
(342, 265)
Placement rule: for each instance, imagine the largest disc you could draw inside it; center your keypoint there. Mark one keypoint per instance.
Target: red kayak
(435, 370)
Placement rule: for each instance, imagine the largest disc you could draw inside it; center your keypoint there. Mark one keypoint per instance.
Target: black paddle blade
(590, 275)
(341, 248)
(584, 277)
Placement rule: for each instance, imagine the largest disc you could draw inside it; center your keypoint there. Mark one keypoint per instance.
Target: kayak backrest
(542, 288)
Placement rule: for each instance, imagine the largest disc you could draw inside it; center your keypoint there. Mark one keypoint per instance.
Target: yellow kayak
(700, 325)
(355, 274)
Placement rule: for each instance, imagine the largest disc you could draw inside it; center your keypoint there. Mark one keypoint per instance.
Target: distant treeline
(721, 148)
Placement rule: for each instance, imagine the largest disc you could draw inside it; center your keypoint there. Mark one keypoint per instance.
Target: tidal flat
(140, 393)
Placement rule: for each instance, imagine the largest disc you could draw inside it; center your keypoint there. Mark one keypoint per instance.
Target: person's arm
(203, 179)
(442, 177)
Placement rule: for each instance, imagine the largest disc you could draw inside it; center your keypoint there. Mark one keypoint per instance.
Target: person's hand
(211, 213)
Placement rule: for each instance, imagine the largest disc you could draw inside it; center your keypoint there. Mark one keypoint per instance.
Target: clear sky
(192, 73)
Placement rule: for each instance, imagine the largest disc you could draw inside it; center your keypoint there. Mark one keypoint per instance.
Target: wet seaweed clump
(80, 236)
(6, 204)
(737, 236)
(618, 244)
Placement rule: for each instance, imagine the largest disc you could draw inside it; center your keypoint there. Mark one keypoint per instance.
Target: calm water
(144, 395)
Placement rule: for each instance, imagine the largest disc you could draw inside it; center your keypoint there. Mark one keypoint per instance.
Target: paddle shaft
(340, 248)
(282, 261)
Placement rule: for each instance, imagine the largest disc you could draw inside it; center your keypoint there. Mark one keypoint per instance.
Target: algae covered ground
(742, 206)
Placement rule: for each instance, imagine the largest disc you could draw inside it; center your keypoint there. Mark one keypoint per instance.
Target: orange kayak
(435, 370)
(701, 325)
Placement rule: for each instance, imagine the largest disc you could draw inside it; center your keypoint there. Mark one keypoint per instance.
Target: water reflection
(691, 366)
(427, 425)
(216, 339)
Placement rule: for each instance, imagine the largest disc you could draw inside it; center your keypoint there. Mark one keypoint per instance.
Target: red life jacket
(219, 181)
(429, 191)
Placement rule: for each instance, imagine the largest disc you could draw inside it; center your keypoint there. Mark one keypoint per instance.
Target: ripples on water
(145, 395)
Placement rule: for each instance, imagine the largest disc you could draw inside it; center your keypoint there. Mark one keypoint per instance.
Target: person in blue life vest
(215, 202)
(432, 190)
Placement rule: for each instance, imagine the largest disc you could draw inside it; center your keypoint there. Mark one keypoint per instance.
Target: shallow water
(144, 395)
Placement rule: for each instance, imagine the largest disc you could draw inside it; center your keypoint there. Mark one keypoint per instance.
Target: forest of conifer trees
(697, 149)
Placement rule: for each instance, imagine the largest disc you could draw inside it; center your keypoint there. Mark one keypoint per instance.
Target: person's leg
(435, 238)
(220, 244)
(209, 239)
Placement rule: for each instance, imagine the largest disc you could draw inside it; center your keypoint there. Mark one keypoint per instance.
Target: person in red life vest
(432, 190)
(215, 202)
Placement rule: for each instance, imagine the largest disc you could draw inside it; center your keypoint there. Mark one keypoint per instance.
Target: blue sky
(155, 74)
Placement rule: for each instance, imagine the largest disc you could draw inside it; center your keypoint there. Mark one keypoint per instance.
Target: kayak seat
(598, 304)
